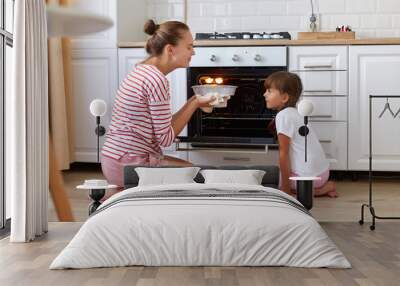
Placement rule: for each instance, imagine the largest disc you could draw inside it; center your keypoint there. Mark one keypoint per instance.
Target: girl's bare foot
(329, 189)
(333, 194)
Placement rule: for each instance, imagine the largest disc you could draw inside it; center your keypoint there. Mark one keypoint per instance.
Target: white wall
(369, 18)
(131, 16)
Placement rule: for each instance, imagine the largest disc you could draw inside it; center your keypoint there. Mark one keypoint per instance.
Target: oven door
(245, 120)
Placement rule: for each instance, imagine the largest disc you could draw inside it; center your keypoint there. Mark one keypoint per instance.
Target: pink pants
(113, 169)
(316, 184)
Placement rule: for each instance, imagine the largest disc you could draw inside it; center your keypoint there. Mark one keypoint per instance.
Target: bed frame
(270, 179)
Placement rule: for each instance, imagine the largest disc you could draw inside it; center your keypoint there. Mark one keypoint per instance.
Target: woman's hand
(204, 101)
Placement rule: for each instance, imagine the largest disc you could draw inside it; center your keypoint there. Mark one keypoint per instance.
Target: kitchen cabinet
(333, 139)
(324, 73)
(316, 58)
(374, 70)
(93, 76)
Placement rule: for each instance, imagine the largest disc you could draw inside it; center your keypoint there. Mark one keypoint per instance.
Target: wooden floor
(375, 257)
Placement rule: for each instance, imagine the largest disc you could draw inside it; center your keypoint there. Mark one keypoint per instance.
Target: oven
(246, 121)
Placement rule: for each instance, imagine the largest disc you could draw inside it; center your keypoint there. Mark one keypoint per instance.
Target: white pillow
(249, 177)
(165, 176)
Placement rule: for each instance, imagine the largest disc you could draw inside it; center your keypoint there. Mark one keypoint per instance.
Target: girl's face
(182, 53)
(275, 99)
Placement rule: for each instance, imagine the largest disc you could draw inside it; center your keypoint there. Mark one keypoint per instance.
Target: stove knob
(267, 36)
(246, 36)
(257, 58)
(257, 36)
(276, 36)
(235, 58)
(213, 58)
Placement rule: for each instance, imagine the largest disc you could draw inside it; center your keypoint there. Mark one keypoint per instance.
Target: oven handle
(223, 150)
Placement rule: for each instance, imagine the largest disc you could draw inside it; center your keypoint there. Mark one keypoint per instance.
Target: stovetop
(243, 36)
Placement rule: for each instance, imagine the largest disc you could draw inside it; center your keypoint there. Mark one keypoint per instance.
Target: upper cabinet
(93, 76)
(374, 70)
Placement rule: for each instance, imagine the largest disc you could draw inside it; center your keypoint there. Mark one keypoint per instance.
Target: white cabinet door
(324, 83)
(318, 58)
(333, 138)
(178, 91)
(94, 75)
(127, 59)
(374, 70)
(328, 108)
(101, 40)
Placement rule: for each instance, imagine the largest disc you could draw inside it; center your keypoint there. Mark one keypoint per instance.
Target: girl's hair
(169, 32)
(286, 82)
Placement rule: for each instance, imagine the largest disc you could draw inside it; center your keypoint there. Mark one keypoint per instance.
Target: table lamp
(98, 108)
(304, 185)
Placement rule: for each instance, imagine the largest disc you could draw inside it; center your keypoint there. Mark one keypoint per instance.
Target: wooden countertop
(219, 43)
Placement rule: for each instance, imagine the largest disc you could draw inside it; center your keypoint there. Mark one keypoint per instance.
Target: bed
(198, 224)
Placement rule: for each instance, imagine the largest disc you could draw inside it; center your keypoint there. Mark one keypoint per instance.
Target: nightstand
(97, 190)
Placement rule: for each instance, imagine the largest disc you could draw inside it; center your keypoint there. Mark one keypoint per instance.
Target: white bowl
(222, 93)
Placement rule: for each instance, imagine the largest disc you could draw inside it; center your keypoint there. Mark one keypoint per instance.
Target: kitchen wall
(369, 18)
(131, 16)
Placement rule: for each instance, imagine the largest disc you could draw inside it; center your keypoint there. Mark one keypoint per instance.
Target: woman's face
(182, 53)
(275, 99)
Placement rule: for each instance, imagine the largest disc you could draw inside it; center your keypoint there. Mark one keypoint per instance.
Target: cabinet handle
(325, 141)
(318, 66)
(317, 90)
(243, 159)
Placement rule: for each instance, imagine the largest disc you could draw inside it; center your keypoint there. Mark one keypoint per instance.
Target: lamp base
(305, 193)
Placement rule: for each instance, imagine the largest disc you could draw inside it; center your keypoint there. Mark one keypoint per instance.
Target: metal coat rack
(370, 201)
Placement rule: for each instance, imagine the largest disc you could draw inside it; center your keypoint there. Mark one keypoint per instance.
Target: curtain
(27, 153)
(60, 99)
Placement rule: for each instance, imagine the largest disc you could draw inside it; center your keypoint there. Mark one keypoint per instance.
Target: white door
(94, 75)
(374, 70)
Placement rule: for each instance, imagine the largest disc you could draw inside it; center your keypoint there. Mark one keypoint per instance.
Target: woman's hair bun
(150, 27)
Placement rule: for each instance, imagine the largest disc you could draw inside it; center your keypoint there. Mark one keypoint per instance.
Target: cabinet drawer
(328, 108)
(324, 82)
(227, 158)
(318, 58)
(333, 138)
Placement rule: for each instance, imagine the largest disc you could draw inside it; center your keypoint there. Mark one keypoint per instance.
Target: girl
(142, 121)
(283, 90)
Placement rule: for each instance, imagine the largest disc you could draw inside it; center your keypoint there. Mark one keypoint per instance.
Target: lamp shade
(98, 107)
(69, 21)
(305, 107)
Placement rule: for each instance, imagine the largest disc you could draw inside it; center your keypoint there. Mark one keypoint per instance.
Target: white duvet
(200, 231)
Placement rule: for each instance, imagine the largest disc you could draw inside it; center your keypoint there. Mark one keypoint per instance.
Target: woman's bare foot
(329, 189)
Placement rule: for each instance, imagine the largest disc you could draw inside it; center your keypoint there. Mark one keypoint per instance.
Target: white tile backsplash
(368, 18)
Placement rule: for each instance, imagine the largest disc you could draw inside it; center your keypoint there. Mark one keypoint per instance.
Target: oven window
(246, 115)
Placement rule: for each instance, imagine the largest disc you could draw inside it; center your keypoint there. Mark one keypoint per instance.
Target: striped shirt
(141, 116)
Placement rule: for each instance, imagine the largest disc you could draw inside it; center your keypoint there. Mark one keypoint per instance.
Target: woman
(142, 121)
